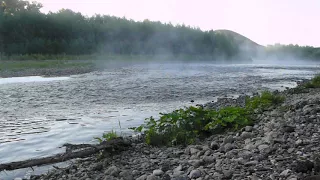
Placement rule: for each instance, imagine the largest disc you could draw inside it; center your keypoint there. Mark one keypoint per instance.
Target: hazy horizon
(265, 22)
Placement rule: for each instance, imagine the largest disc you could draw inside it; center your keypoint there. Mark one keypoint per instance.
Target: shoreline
(54, 68)
(282, 144)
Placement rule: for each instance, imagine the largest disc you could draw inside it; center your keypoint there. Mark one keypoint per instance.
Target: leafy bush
(262, 101)
(183, 126)
(313, 83)
(228, 118)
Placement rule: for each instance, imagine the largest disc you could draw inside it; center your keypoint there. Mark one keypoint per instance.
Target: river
(38, 115)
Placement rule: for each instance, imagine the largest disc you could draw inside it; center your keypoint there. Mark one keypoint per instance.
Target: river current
(38, 115)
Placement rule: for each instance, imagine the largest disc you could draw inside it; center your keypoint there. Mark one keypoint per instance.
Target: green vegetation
(107, 136)
(314, 82)
(184, 126)
(110, 135)
(263, 101)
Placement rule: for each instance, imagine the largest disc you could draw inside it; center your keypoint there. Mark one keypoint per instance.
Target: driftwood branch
(83, 150)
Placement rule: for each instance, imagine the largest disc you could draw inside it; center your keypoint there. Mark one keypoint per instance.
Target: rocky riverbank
(283, 144)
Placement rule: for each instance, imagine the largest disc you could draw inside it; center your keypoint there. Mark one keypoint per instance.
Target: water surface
(38, 115)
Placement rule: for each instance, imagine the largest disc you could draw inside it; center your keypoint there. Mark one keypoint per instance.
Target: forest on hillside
(24, 29)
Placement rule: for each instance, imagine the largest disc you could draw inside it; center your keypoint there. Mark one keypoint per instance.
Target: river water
(38, 115)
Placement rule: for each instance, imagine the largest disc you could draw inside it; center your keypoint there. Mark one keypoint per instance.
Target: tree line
(291, 51)
(24, 29)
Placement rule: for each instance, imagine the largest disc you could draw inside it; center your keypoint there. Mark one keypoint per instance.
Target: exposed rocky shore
(284, 143)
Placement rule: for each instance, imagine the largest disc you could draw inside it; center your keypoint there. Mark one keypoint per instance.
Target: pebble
(157, 172)
(248, 128)
(194, 174)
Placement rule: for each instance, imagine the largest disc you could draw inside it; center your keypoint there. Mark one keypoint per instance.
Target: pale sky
(263, 21)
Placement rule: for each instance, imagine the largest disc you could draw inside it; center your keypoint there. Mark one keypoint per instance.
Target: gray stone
(290, 150)
(248, 128)
(247, 141)
(312, 178)
(181, 178)
(157, 172)
(292, 177)
(200, 153)
(246, 135)
(249, 146)
(285, 173)
(207, 153)
(97, 167)
(143, 177)
(165, 165)
(177, 173)
(166, 177)
(195, 174)
(317, 164)
(228, 139)
(228, 147)
(274, 113)
(221, 149)
(113, 170)
(126, 175)
(251, 163)
(187, 151)
(298, 142)
(263, 147)
(135, 173)
(195, 163)
(245, 154)
(227, 174)
(218, 162)
(109, 178)
(209, 159)
(152, 177)
(304, 166)
(288, 129)
(214, 145)
(194, 151)
(179, 168)
(177, 153)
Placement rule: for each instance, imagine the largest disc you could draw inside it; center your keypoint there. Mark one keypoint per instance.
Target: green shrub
(314, 82)
(228, 118)
(262, 101)
(183, 126)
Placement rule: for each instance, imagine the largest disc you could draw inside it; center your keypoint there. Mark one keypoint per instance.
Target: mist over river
(38, 115)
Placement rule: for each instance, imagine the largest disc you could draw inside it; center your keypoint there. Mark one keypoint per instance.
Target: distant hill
(238, 38)
(246, 45)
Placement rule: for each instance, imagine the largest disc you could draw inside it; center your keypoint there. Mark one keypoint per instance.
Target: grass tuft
(107, 136)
